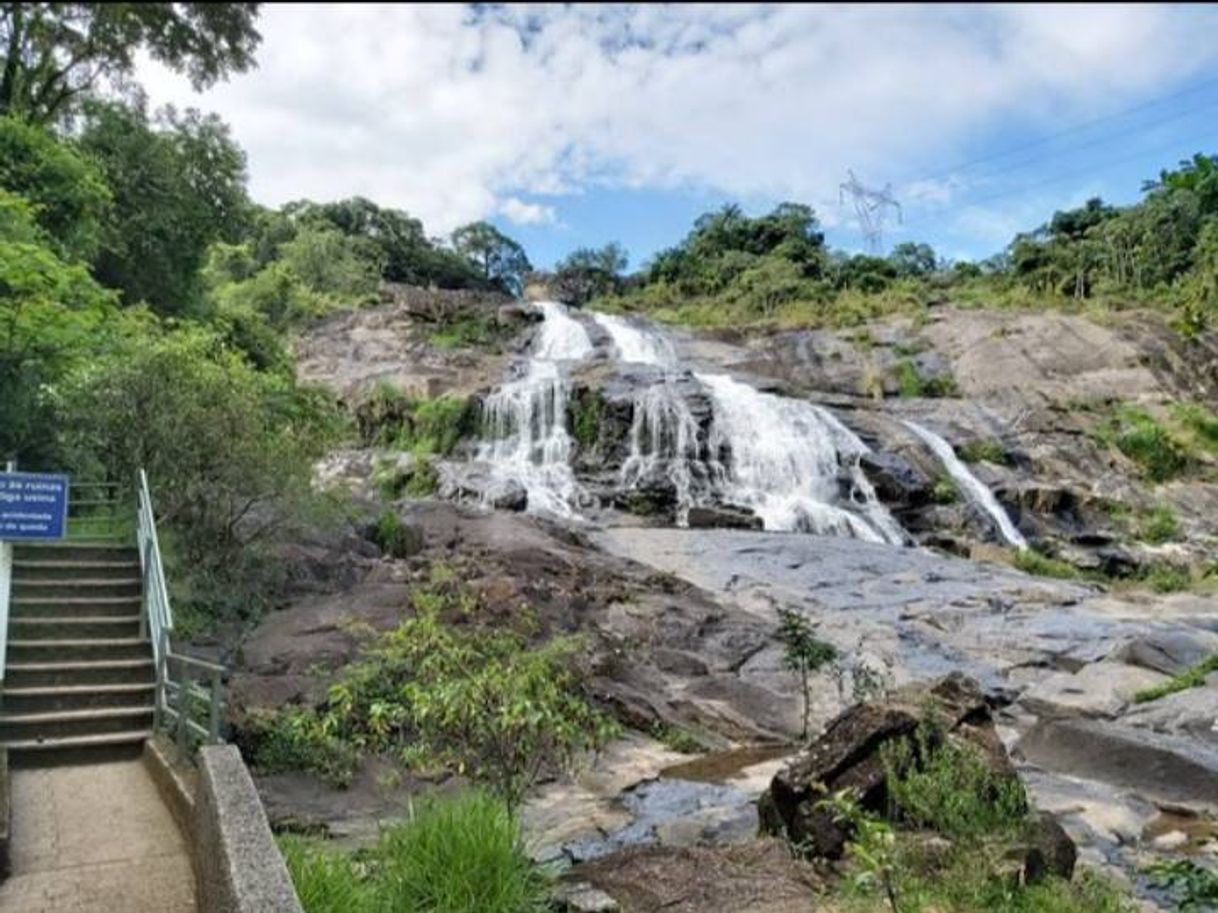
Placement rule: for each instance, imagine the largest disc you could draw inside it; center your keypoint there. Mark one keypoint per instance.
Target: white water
(526, 437)
(974, 489)
(783, 461)
(783, 455)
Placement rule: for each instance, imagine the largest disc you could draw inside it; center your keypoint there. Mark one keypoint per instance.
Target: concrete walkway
(94, 839)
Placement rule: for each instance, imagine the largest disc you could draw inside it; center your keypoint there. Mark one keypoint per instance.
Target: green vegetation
(945, 788)
(442, 691)
(1193, 677)
(677, 738)
(1031, 561)
(912, 383)
(393, 537)
(1137, 434)
(418, 478)
(1158, 525)
(456, 854)
(803, 653)
(987, 450)
(1193, 887)
(467, 330)
(945, 490)
(587, 409)
(387, 417)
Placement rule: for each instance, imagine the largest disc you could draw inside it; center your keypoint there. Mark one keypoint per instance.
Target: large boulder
(848, 756)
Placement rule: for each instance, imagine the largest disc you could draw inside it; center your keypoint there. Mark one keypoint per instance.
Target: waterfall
(783, 456)
(663, 431)
(526, 440)
(973, 488)
(783, 460)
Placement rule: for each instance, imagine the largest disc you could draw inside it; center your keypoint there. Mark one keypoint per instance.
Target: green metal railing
(182, 699)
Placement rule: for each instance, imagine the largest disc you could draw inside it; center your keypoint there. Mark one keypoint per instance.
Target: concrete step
(19, 727)
(88, 749)
(43, 568)
(84, 648)
(74, 627)
(48, 698)
(85, 587)
(78, 606)
(76, 551)
(31, 674)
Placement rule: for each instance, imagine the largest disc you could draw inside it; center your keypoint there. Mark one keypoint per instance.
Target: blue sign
(33, 505)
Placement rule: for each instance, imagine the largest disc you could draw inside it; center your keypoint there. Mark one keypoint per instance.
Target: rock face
(849, 756)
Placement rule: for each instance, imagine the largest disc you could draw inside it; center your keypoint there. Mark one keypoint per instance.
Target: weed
(393, 537)
(326, 880)
(586, 412)
(1159, 525)
(1194, 887)
(677, 738)
(1193, 677)
(913, 383)
(1031, 561)
(1136, 434)
(944, 491)
(987, 450)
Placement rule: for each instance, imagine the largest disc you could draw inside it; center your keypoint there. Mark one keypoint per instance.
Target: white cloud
(519, 212)
(456, 115)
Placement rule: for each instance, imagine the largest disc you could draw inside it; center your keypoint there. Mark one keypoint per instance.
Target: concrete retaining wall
(238, 868)
(6, 814)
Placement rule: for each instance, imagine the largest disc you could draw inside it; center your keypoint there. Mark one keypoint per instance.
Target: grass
(419, 479)
(457, 854)
(913, 383)
(425, 427)
(1138, 435)
(988, 450)
(1158, 526)
(1193, 887)
(945, 490)
(393, 537)
(1193, 677)
(468, 331)
(587, 409)
(1031, 561)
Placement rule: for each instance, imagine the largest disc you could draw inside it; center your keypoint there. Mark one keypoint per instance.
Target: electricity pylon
(870, 206)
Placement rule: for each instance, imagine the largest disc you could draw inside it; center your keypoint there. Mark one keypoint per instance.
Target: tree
(178, 184)
(803, 653)
(67, 194)
(53, 54)
(588, 272)
(913, 260)
(500, 260)
(52, 315)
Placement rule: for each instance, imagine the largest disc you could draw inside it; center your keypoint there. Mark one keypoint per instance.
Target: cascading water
(783, 456)
(784, 460)
(974, 489)
(527, 442)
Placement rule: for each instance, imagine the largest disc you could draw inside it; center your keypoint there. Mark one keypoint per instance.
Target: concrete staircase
(79, 678)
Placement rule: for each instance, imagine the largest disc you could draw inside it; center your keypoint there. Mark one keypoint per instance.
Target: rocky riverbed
(681, 621)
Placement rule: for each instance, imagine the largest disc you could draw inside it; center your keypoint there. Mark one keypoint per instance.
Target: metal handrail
(6, 588)
(172, 709)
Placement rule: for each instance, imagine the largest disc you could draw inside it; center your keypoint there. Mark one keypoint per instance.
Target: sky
(577, 125)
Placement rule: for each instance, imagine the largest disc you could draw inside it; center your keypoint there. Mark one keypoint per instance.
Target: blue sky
(573, 126)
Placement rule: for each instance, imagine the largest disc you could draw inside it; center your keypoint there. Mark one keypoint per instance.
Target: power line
(1048, 138)
(870, 206)
(1090, 169)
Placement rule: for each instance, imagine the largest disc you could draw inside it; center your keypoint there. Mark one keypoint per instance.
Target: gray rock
(1168, 650)
(581, 897)
(723, 517)
(1100, 689)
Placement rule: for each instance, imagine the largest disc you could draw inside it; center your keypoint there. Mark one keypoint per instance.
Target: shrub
(944, 491)
(1136, 434)
(988, 450)
(467, 330)
(586, 412)
(912, 382)
(393, 537)
(937, 783)
(456, 696)
(1192, 886)
(803, 653)
(425, 427)
(296, 740)
(1160, 525)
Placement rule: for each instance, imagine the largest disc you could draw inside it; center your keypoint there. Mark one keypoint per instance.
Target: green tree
(913, 260)
(52, 315)
(53, 54)
(68, 195)
(588, 272)
(178, 185)
(804, 653)
(501, 261)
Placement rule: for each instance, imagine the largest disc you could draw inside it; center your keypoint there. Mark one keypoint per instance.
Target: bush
(393, 537)
(984, 451)
(456, 854)
(425, 427)
(944, 491)
(912, 383)
(1160, 525)
(1135, 433)
(458, 696)
(1031, 561)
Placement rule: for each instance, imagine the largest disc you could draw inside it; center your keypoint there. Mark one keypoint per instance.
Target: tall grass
(457, 854)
